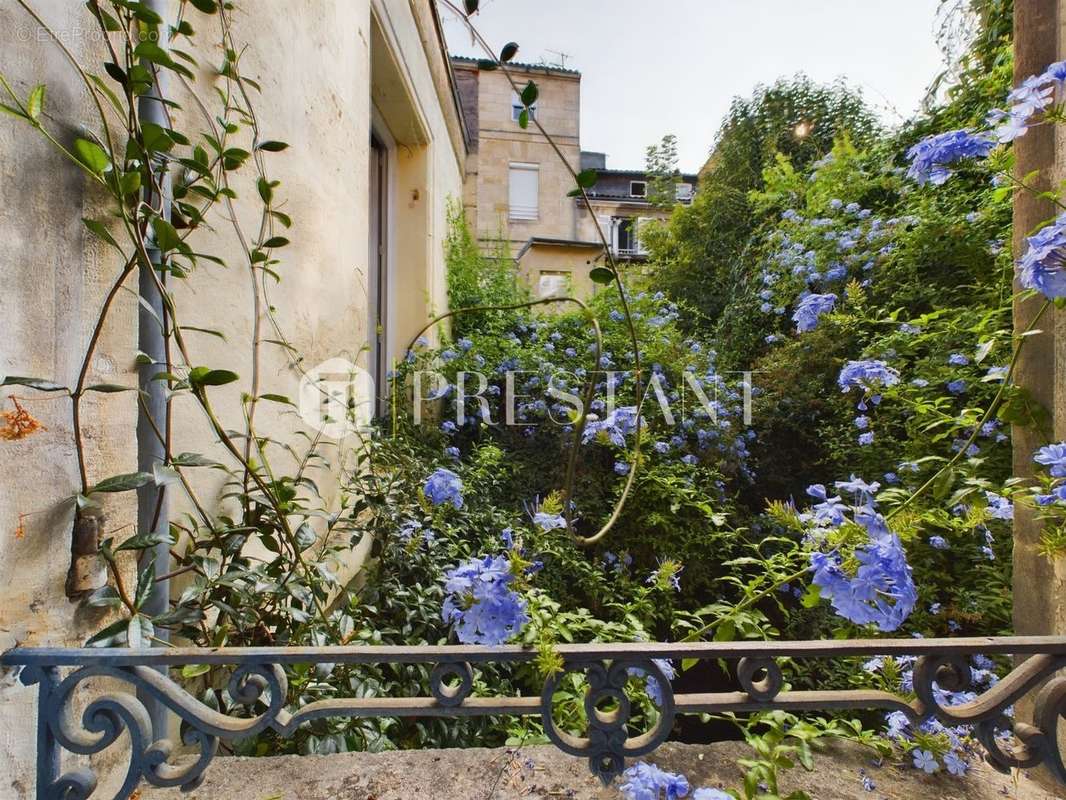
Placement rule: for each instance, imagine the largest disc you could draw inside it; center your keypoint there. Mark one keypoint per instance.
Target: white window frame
(522, 212)
(684, 192)
(643, 192)
(517, 107)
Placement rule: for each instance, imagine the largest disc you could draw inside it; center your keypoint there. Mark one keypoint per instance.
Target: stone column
(1039, 583)
(1039, 588)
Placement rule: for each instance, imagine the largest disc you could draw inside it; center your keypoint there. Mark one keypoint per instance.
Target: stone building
(363, 91)
(517, 186)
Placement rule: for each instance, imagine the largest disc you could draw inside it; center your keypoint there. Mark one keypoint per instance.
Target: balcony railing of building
(257, 681)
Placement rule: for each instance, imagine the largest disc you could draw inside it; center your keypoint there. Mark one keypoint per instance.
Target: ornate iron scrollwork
(608, 743)
(258, 684)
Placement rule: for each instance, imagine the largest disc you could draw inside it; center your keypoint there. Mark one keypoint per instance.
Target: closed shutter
(524, 191)
(609, 231)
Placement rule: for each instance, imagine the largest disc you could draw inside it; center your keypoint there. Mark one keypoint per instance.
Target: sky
(652, 67)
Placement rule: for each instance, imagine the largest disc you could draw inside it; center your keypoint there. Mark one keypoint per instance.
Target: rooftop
(521, 65)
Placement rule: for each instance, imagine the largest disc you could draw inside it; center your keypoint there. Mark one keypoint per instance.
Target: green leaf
(166, 236)
(157, 139)
(192, 460)
(266, 191)
(523, 119)
(530, 94)
(109, 636)
(39, 384)
(471, 6)
(272, 146)
(510, 50)
(150, 51)
(142, 541)
(35, 103)
(109, 388)
(109, 22)
(101, 232)
(130, 183)
(587, 178)
(116, 72)
(602, 275)
(208, 331)
(122, 483)
(206, 6)
(104, 597)
(204, 376)
(92, 155)
(277, 398)
(13, 111)
(275, 241)
(195, 670)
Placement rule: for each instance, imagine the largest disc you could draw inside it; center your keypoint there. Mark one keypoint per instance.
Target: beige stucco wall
(502, 141)
(314, 63)
(576, 262)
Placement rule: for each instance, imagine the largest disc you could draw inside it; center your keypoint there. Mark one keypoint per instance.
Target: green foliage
(704, 257)
(476, 280)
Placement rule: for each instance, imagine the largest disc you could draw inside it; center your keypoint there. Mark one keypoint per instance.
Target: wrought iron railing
(259, 682)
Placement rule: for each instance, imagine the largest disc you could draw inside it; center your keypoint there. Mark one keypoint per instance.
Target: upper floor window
(684, 192)
(523, 191)
(638, 188)
(517, 107)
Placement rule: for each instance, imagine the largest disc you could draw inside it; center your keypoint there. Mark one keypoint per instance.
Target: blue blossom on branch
(614, 427)
(881, 592)
(548, 522)
(869, 375)
(646, 781)
(925, 761)
(931, 157)
(1041, 268)
(876, 585)
(810, 309)
(480, 603)
(1054, 457)
(444, 486)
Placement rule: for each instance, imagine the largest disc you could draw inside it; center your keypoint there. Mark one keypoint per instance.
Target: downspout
(153, 502)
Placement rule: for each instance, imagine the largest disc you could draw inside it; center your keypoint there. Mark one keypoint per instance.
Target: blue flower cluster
(931, 157)
(955, 749)
(444, 486)
(810, 309)
(1053, 457)
(870, 375)
(881, 591)
(1041, 268)
(1033, 96)
(480, 602)
(813, 255)
(644, 781)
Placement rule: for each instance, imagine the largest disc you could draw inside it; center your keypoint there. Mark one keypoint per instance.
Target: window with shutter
(524, 191)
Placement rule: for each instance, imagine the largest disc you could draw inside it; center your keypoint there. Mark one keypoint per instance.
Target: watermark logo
(337, 398)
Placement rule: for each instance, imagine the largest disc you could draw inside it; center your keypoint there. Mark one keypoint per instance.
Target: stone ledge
(544, 773)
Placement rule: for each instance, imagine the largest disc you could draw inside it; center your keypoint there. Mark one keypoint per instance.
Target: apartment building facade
(517, 187)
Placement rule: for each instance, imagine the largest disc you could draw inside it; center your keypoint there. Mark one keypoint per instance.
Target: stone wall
(315, 63)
